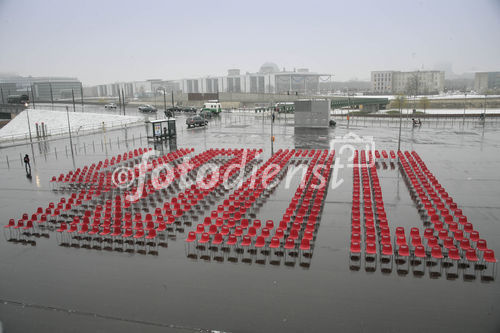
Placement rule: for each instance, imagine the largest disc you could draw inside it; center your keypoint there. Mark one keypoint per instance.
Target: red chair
(207, 221)
(403, 262)
(489, 262)
(139, 234)
(218, 239)
(419, 262)
(191, 237)
(437, 256)
(63, 227)
(260, 242)
(205, 238)
(162, 226)
(232, 240)
(244, 223)
(471, 255)
(474, 236)
(246, 241)
(95, 230)
(151, 234)
(200, 229)
(252, 231)
(256, 224)
(290, 244)
(213, 229)
(275, 243)
(305, 245)
(355, 248)
(117, 231)
(387, 251)
(472, 260)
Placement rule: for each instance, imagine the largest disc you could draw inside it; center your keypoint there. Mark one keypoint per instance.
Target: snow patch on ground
(57, 122)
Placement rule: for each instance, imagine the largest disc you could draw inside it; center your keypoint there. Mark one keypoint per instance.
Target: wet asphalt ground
(49, 288)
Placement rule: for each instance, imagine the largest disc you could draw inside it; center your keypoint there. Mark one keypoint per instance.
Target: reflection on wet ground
(449, 242)
(181, 285)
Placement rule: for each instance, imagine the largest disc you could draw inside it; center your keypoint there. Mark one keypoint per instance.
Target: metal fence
(427, 122)
(61, 131)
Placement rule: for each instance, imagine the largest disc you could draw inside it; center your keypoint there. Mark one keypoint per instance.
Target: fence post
(66, 149)
(21, 159)
(85, 148)
(7, 158)
(93, 145)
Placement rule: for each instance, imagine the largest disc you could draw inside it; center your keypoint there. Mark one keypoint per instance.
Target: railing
(81, 130)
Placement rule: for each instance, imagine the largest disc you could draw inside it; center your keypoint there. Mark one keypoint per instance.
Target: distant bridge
(359, 102)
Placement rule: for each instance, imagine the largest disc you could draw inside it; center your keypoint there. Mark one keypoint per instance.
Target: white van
(212, 106)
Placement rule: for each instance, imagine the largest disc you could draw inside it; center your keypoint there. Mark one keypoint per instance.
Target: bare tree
(424, 103)
(400, 101)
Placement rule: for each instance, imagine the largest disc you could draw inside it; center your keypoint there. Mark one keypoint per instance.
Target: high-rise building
(416, 82)
(484, 81)
(269, 79)
(45, 88)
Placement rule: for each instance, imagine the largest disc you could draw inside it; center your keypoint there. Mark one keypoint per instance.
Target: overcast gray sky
(108, 41)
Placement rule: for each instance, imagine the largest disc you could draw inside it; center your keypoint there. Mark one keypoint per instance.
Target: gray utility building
(312, 113)
(7, 89)
(48, 91)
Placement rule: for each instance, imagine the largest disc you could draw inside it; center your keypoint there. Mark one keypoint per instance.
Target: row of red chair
(82, 174)
(450, 228)
(230, 224)
(374, 216)
(384, 156)
(138, 223)
(76, 203)
(226, 228)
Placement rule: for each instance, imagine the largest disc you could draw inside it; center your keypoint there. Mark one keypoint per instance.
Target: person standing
(27, 164)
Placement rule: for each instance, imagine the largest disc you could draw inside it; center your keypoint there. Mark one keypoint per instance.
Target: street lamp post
(164, 99)
(463, 118)
(272, 135)
(69, 131)
(400, 121)
(73, 97)
(484, 112)
(349, 108)
(28, 117)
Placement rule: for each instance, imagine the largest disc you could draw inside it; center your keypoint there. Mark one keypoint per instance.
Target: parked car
(147, 108)
(206, 114)
(196, 121)
(18, 99)
(188, 109)
(110, 106)
(174, 109)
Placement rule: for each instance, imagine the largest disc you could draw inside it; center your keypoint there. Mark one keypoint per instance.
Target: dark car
(196, 121)
(147, 108)
(188, 109)
(206, 114)
(174, 109)
(18, 99)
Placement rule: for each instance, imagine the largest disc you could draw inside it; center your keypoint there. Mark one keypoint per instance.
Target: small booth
(161, 129)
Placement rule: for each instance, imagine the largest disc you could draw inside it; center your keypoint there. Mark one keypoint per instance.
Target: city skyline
(121, 41)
